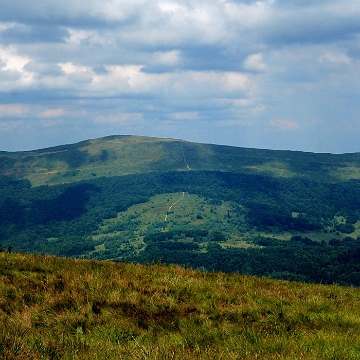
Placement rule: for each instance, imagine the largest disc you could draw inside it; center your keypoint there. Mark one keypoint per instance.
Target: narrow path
(187, 165)
(166, 216)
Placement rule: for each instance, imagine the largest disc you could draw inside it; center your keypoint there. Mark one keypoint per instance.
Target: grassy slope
(192, 211)
(119, 155)
(187, 210)
(52, 308)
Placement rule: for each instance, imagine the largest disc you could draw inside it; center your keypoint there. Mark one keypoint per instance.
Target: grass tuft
(53, 308)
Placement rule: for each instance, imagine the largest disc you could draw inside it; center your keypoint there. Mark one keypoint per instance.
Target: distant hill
(121, 155)
(55, 308)
(281, 214)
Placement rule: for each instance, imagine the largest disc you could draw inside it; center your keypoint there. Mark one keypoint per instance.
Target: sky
(272, 74)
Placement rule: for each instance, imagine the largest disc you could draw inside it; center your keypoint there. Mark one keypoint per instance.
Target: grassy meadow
(57, 308)
(154, 216)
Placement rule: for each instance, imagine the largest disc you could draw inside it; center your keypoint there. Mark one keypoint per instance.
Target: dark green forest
(65, 219)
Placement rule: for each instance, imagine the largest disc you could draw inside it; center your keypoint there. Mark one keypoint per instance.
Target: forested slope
(288, 228)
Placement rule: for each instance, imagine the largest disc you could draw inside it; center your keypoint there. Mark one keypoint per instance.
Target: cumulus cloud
(334, 59)
(232, 123)
(119, 118)
(186, 115)
(50, 123)
(284, 124)
(221, 62)
(52, 113)
(8, 127)
(13, 110)
(255, 62)
(11, 60)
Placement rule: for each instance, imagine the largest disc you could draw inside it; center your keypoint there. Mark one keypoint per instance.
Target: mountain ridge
(119, 155)
(288, 215)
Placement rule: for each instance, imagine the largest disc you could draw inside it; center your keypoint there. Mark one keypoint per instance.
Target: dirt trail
(166, 216)
(187, 165)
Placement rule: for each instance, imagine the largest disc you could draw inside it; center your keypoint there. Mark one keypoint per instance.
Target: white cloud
(231, 81)
(12, 60)
(50, 123)
(118, 118)
(167, 57)
(231, 123)
(114, 11)
(284, 124)
(334, 59)
(12, 73)
(9, 126)
(216, 61)
(186, 115)
(7, 25)
(255, 62)
(52, 113)
(170, 6)
(78, 37)
(13, 110)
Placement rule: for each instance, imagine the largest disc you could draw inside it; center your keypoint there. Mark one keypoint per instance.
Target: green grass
(53, 308)
(347, 172)
(192, 211)
(185, 211)
(274, 168)
(121, 155)
(188, 211)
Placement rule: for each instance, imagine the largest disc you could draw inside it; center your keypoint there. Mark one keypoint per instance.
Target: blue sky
(274, 74)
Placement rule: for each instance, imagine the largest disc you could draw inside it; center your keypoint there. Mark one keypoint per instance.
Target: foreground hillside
(54, 308)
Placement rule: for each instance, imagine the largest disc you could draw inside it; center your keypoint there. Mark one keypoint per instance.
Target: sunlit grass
(347, 172)
(189, 210)
(52, 308)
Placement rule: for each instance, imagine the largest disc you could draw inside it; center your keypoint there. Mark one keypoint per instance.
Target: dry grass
(52, 308)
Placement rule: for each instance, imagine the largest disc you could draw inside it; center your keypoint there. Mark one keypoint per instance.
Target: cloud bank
(281, 74)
